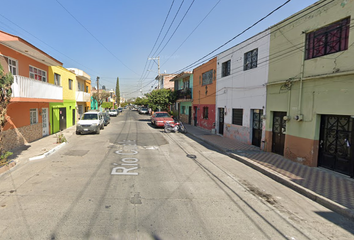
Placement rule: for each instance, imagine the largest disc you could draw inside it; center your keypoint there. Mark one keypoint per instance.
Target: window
(251, 59)
(71, 84)
(327, 40)
(183, 110)
(205, 112)
(87, 89)
(237, 115)
(38, 74)
(186, 83)
(207, 78)
(33, 116)
(78, 86)
(12, 65)
(226, 68)
(56, 79)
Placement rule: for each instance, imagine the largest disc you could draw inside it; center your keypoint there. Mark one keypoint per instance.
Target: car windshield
(162, 115)
(89, 117)
(144, 109)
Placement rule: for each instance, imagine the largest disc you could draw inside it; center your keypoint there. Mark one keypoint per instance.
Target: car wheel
(98, 131)
(77, 133)
(102, 126)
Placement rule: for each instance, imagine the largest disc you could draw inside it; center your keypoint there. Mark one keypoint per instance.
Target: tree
(107, 105)
(6, 81)
(100, 98)
(161, 99)
(141, 101)
(117, 92)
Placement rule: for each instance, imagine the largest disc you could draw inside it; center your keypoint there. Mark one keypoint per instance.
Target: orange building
(28, 115)
(204, 87)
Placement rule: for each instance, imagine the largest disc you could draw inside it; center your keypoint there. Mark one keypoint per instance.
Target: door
(279, 128)
(336, 138)
(221, 121)
(74, 117)
(62, 119)
(189, 115)
(45, 123)
(195, 116)
(257, 127)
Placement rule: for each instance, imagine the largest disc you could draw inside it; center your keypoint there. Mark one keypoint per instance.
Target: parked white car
(113, 112)
(90, 122)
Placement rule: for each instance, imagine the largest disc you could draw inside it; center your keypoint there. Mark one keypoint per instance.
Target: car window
(89, 116)
(162, 115)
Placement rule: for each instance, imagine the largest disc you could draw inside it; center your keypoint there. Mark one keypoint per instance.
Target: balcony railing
(184, 93)
(24, 87)
(82, 96)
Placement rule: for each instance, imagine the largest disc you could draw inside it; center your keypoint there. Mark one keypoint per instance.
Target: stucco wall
(23, 61)
(65, 75)
(243, 89)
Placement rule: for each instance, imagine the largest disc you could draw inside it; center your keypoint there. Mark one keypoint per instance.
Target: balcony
(82, 96)
(184, 94)
(24, 87)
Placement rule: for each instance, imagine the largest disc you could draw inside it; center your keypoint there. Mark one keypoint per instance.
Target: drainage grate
(76, 153)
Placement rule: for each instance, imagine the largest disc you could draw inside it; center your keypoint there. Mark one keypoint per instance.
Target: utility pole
(98, 90)
(158, 68)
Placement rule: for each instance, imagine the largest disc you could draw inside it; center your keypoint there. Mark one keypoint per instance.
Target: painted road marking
(129, 148)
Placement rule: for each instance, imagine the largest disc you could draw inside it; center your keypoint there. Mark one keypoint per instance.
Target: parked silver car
(90, 122)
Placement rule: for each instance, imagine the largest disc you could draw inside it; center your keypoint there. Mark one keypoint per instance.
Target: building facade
(63, 114)
(164, 81)
(310, 93)
(242, 75)
(183, 86)
(83, 91)
(32, 93)
(204, 94)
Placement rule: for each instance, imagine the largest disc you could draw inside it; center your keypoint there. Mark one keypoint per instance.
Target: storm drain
(191, 156)
(76, 153)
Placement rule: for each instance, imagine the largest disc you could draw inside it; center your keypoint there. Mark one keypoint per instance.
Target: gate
(257, 127)
(335, 150)
(278, 136)
(221, 121)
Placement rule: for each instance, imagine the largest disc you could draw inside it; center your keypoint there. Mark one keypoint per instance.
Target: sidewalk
(37, 149)
(328, 188)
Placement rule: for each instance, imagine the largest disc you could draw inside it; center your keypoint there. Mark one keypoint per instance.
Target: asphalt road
(133, 181)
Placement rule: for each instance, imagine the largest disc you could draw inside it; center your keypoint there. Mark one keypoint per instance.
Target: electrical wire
(95, 37)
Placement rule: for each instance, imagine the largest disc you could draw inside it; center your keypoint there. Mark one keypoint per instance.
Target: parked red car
(158, 119)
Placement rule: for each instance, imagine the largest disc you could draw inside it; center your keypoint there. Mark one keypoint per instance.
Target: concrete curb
(346, 212)
(48, 153)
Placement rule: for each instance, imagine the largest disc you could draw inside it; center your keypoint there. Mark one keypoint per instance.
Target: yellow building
(63, 115)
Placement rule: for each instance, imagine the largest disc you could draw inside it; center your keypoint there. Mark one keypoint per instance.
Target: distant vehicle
(143, 110)
(107, 118)
(113, 112)
(158, 119)
(120, 109)
(90, 122)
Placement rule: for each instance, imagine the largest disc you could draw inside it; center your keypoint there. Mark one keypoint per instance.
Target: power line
(94, 37)
(169, 28)
(176, 27)
(248, 28)
(192, 32)
(163, 25)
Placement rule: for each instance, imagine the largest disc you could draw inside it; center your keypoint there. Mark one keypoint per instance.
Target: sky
(115, 38)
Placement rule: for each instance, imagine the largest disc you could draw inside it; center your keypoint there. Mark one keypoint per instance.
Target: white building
(242, 75)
